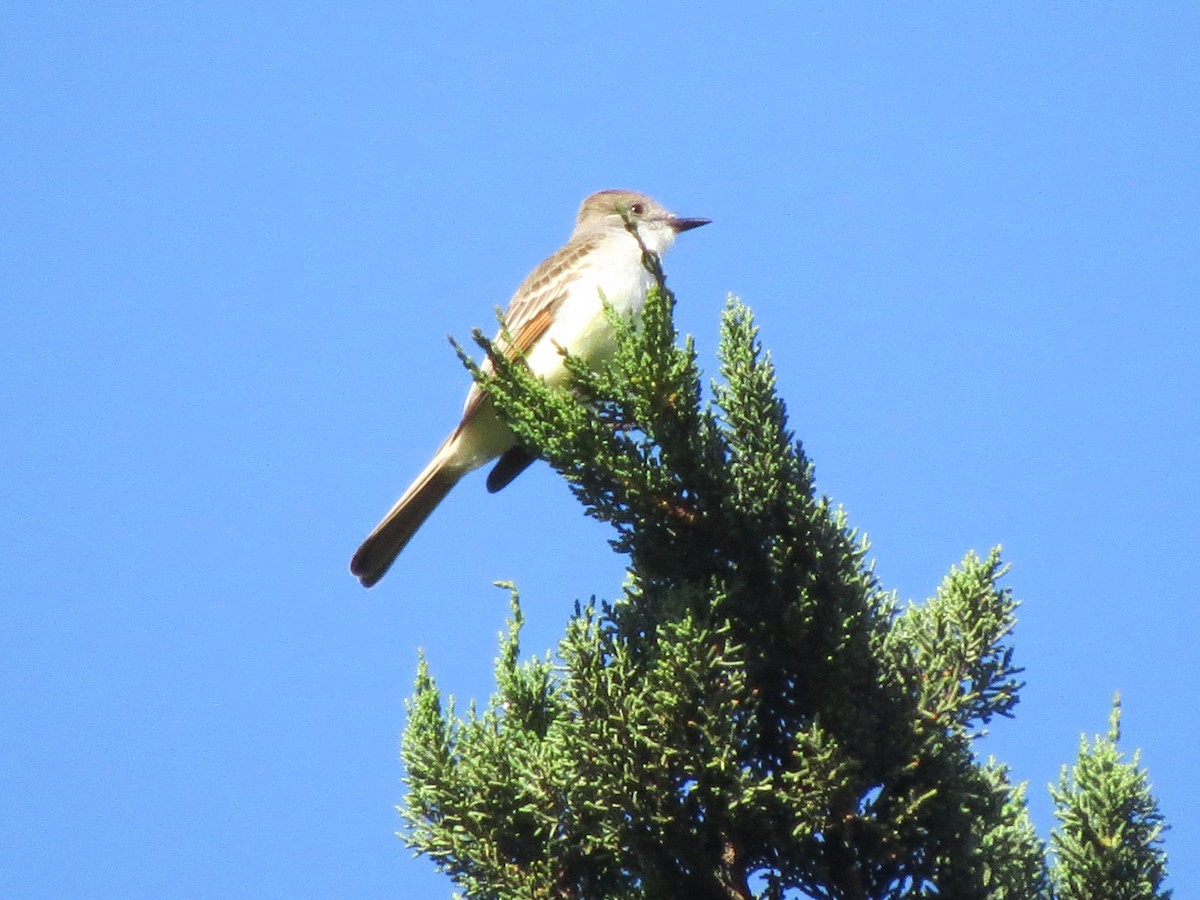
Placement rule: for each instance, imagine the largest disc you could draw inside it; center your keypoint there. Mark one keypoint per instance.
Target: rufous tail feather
(390, 536)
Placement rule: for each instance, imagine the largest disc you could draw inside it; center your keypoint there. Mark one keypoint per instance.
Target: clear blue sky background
(234, 238)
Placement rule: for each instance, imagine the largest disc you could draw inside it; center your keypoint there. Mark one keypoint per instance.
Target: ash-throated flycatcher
(560, 305)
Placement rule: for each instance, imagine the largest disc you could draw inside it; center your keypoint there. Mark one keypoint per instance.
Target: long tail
(390, 536)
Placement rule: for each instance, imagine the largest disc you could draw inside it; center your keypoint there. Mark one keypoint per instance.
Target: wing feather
(541, 294)
(534, 305)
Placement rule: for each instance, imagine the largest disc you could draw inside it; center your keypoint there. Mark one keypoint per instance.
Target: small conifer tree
(1108, 843)
(754, 716)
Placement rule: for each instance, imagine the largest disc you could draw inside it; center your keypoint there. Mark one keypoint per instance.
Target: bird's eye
(637, 209)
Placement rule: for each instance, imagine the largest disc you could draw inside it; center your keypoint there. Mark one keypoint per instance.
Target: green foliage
(754, 716)
(1108, 842)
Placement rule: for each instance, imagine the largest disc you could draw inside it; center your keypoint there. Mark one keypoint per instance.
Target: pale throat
(657, 238)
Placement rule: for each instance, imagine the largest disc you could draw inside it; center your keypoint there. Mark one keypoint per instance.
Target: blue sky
(235, 239)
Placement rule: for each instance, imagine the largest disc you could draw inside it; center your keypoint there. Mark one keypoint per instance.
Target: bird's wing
(537, 301)
(534, 306)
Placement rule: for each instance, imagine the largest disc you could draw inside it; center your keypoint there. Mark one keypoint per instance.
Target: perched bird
(559, 305)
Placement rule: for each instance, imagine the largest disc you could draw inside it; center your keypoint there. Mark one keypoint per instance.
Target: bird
(559, 306)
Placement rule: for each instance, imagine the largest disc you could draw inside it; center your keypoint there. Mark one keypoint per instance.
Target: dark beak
(687, 224)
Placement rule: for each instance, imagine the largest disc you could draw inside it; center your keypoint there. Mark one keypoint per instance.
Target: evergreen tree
(755, 716)
(1108, 843)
